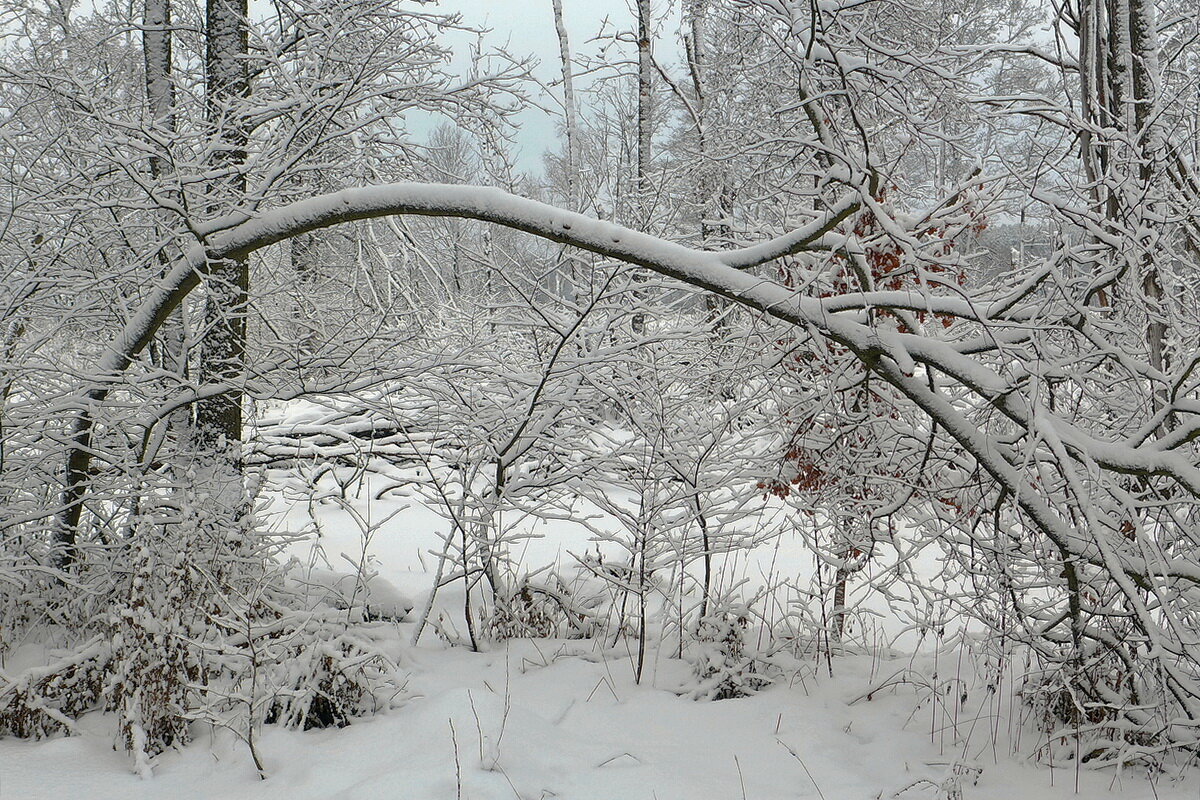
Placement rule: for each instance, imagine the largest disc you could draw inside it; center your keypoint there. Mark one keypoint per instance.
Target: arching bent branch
(717, 272)
(893, 355)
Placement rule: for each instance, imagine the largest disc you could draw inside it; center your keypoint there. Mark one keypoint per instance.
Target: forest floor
(534, 719)
(545, 719)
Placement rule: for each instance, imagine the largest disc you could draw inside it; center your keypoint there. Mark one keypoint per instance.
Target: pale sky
(526, 27)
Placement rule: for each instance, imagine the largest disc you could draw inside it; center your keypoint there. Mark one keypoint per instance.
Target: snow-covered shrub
(153, 661)
(542, 609)
(950, 786)
(324, 677)
(1083, 713)
(45, 701)
(367, 597)
(723, 666)
(523, 614)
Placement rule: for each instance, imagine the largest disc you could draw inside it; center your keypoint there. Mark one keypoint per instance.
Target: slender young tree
(570, 120)
(645, 130)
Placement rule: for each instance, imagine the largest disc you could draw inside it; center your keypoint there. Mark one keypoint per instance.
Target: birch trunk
(1149, 151)
(645, 99)
(568, 79)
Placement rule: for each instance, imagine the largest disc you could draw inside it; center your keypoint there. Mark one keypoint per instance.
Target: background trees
(829, 170)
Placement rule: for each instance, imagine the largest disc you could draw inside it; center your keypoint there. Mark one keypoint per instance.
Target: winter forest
(722, 399)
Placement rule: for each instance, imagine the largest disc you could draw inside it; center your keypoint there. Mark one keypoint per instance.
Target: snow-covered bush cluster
(723, 667)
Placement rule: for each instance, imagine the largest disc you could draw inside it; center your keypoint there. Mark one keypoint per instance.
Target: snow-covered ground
(539, 719)
(534, 720)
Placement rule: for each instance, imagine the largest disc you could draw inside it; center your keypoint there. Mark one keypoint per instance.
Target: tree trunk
(568, 78)
(1150, 152)
(644, 111)
(302, 251)
(160, 106)
(567, 274)
(839, 601)
(160, 89)
(1119, 76)
(219, 418)
(715, 199)
(160, 103)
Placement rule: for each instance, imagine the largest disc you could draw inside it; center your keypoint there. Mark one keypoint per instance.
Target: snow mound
(375, 597)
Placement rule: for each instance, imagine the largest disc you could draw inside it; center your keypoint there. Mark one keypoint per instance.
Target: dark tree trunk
(222, 354)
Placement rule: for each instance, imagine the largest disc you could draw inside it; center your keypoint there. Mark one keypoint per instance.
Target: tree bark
(568, 275)
(713, 190)
(644, 110)
(1150, 152)
(160, 103)
(571, 123)
(222, 354)
(644, 133)
(1119, 77)
(160, 88)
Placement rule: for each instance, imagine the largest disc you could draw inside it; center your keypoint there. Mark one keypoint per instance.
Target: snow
(373, 596)
(565, 719)
(537, 719)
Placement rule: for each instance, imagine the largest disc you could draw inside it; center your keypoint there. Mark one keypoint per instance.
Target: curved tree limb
(893, 355)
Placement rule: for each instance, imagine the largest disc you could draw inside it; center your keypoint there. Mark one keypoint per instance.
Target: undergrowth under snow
(558, 719)
(532, 719)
